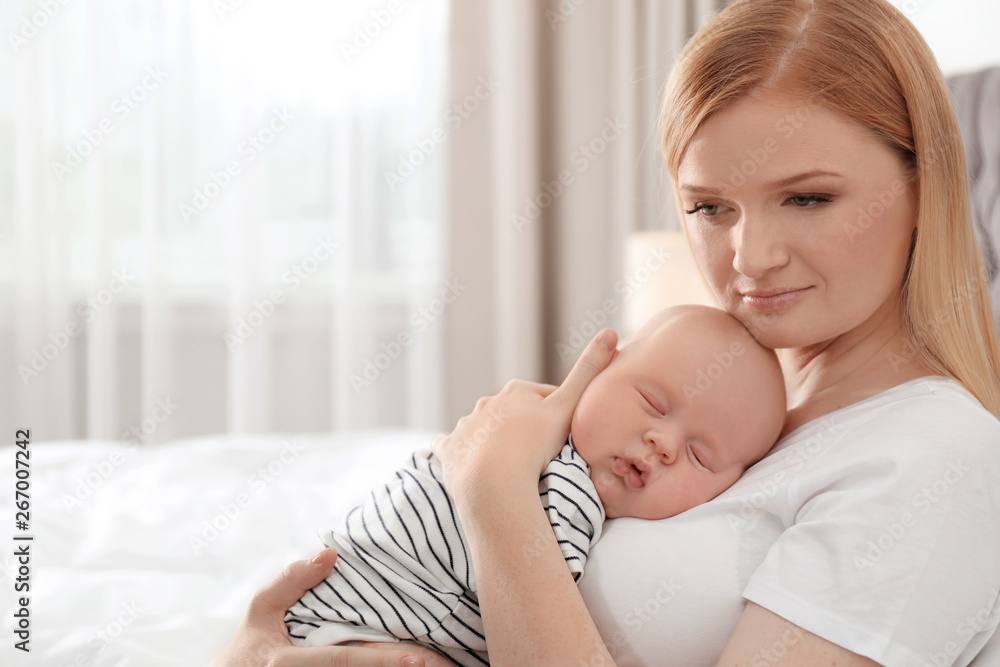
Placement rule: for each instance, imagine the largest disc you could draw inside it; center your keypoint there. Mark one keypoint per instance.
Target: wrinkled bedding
(148, 555)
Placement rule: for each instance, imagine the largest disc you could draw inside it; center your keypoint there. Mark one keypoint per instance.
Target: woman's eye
(708, 210)
(807, 201)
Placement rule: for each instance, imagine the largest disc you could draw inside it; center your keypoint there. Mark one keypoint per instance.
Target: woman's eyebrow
(785, 182)
(773, 185)
(701, 189)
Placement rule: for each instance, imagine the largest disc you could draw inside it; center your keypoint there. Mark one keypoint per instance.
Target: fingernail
(317, 558)
(413, 661)
(605, 338)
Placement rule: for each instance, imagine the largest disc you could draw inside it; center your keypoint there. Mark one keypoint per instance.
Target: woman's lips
(773, 299)
(627, 471)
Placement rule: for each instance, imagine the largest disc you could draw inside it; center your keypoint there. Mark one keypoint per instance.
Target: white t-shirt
(876, 527)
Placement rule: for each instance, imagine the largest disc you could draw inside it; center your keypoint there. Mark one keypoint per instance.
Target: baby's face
(677, 417)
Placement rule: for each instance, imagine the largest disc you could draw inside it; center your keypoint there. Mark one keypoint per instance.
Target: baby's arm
(402, 572)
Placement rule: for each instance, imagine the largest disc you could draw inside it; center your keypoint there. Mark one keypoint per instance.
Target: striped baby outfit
(403, 568)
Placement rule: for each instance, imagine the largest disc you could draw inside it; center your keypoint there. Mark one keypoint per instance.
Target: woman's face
(801, 220)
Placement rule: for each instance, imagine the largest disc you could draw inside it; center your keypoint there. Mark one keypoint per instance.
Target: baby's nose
(666, 442)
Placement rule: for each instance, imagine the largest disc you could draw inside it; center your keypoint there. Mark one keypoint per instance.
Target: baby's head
(688, 404)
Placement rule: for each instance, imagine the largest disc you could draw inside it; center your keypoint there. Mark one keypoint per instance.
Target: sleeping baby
(688, 404)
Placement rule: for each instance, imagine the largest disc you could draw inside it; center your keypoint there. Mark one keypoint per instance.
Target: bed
(148, 555)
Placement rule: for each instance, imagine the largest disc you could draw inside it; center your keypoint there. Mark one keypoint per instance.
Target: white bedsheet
(124, 569)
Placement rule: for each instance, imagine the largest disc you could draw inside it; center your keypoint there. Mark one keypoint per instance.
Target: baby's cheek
(606, 484)
(604, 481)
(586, 425)
(579, 426)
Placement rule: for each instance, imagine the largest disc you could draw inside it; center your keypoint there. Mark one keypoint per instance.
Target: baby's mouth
(633, 471)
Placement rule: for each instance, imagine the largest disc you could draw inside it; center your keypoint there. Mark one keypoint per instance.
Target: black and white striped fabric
(403, 570)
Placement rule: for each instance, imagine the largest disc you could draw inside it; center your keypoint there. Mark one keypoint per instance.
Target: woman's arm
(532, 611)
(764, 638)
(262, 639)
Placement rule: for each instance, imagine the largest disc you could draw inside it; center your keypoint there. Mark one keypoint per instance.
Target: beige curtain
(554, 164)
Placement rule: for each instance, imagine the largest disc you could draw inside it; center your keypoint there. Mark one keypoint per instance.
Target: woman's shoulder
(905, 433)
(894, 494)
(929, 411)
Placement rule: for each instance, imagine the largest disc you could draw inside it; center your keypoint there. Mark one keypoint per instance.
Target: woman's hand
(262, 639)
(508, 439)
(532, 610)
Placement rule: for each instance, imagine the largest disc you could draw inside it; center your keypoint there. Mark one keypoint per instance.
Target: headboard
(977, 103)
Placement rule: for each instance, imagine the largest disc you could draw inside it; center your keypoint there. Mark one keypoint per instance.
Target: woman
(820, 170)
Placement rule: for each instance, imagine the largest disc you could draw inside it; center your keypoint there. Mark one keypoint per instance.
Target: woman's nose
(757, 247)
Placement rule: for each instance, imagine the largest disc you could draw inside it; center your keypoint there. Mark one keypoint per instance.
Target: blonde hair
(866, 61)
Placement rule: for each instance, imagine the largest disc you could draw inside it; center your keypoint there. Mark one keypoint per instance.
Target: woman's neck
(859, 364)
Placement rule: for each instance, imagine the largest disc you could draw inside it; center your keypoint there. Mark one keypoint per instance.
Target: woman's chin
(777, 331)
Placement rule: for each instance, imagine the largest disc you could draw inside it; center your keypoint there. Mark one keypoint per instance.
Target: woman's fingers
(512, 436)
(415, 655)
(285, 591)
(595, 358)
(262, 639)
(352, 656)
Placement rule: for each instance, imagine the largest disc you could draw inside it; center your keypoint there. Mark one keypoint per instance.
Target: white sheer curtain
(221, 217)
